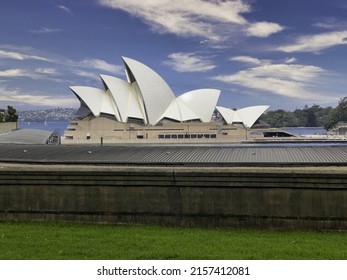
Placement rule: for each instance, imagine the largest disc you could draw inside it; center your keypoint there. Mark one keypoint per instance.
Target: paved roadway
(206, 155)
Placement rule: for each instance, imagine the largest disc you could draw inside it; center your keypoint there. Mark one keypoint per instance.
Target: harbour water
(50, 126)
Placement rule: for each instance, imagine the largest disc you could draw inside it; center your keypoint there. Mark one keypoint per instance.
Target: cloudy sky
(285, 54)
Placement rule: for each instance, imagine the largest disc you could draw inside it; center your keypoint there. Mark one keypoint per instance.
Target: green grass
(69, 241)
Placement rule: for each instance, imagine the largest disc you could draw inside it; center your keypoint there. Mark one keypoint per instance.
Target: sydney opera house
(144, 109)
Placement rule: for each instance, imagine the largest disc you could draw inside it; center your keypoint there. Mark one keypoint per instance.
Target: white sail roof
(120, 92)
(202, 102)
(248, 115)
(227, 114)
(146, 96)
(92, 97)
(156, 93)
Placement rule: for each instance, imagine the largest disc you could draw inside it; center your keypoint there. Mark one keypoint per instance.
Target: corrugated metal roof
(189, 155)
(25, 136)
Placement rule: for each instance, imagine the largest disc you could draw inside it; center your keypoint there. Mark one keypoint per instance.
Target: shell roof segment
(146, 96)
(92, 97)
(248, 115)
(202, 102)
(155, 92)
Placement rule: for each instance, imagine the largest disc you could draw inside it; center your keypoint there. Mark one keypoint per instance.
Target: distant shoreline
(48, 115)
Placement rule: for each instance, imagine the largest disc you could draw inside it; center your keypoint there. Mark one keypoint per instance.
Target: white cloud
(64, 8)
(15, 73)
(86, 74)
(329, 23)
(294, 72)
(290, 60)
(291, 80)
(315, 43)
(255, 61)
(20, 56)
(155, 11)
(212, 20)
(263, 29)
(101, 65)
(46, 71)
(189, 62)
(332, 23)
(17, 96)
(35, 74)
(46, 30)
(91, 63)
(249, 60)
(49, 71)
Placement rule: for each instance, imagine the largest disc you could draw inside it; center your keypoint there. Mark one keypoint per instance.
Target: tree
(280, 118)
(11, 114)
(311, 115)
(338, 114)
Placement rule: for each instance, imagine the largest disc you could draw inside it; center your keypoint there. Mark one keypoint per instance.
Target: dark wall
(286, 198)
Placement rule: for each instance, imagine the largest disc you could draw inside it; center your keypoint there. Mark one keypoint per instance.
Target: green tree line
(9, 115)
(314, 116)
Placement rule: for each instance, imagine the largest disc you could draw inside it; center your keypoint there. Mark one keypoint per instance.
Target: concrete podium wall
(285, 197)
(8, 127)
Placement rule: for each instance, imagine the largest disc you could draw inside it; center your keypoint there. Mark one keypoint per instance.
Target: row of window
(186, 136)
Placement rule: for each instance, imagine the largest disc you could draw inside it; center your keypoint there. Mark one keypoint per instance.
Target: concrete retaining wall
(8, 127)
(286, 198)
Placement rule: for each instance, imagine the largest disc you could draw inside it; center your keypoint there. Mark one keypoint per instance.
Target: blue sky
(285, 54)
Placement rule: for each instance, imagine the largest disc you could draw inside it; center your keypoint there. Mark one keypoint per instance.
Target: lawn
(69, 241)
